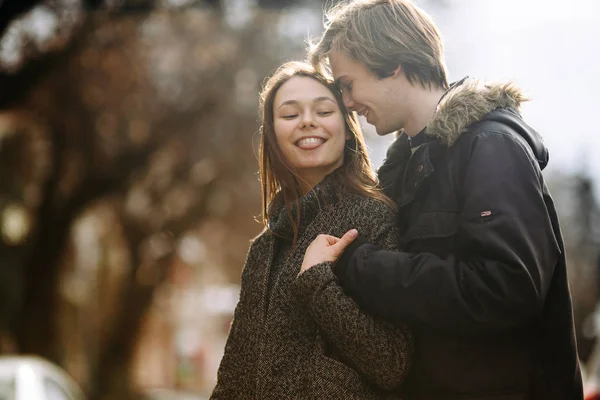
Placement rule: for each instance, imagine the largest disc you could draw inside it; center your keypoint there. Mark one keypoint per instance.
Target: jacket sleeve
(234, 381)
(509, 249)
(379, 351)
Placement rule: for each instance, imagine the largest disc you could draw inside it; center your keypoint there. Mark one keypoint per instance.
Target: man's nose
(348, 102)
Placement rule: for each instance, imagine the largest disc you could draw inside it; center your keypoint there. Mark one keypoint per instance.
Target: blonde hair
(277, 178)
(382, 35)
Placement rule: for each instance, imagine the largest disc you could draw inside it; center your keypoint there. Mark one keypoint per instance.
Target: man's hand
(326, 248)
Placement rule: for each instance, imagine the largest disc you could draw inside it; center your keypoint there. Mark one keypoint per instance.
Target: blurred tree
(585, 244)
(11, 9)
(119, 132)
(276, 3)
(578, 210)
(139, 113)
(588, 215)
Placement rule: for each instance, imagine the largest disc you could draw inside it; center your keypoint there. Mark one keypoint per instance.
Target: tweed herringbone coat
(301, 337)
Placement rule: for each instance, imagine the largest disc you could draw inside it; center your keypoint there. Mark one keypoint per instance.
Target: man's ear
(397, 71)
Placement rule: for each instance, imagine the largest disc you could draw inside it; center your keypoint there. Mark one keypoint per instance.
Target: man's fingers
(345, 241)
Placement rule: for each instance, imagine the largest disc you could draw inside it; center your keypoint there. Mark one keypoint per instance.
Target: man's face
(378, 100)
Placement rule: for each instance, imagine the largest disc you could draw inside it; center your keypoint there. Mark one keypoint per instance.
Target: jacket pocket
(432, 225)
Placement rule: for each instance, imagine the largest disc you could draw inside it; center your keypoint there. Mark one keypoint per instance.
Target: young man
(482, 278)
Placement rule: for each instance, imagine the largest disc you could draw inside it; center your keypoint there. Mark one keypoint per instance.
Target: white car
(33, 378)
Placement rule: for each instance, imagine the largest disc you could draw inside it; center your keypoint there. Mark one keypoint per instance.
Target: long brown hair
(276, 175)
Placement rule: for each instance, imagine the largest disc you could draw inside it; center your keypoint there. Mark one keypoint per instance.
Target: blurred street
(128, 175)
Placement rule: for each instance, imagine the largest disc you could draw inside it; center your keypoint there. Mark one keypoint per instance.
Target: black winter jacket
(482, 276)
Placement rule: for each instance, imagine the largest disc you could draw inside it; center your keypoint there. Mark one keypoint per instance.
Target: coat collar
(326, 192)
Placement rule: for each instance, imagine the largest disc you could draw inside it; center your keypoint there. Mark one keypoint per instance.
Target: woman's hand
(326, 248)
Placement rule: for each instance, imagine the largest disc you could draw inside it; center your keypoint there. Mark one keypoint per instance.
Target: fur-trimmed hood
(471, 100)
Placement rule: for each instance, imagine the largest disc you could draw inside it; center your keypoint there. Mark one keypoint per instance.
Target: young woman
(297, 335)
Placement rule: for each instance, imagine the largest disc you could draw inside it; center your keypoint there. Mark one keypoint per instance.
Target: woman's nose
(307, 120)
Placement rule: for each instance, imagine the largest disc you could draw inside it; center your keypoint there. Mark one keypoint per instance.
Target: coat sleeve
(234, 381)
(507, 245)
(379, 351)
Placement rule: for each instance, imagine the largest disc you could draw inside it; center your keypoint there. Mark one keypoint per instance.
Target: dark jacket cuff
(343, 262)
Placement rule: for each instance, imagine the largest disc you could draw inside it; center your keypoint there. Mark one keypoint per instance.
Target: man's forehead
(337, 64)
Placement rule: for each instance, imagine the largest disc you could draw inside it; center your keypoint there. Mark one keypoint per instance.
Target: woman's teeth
(310, 142)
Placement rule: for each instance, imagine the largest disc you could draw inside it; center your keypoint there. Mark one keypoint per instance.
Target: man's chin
(383, 131)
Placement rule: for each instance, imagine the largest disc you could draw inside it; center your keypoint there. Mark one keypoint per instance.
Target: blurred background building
(128, 184)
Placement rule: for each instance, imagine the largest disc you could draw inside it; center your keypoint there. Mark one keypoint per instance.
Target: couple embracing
(444, 276)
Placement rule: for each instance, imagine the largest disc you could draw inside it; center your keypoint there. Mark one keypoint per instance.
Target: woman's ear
(348, 135)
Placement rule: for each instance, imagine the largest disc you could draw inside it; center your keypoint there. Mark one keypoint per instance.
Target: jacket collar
(467, 102)
(464, 103)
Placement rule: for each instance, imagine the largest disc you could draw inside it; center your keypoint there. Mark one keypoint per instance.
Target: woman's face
(309, 128)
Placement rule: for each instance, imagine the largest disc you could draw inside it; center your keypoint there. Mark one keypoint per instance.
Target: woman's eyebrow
(315, 100)
(323, 98)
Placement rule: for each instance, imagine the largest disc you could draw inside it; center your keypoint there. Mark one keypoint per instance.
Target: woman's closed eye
(289, 116)
(324, 113)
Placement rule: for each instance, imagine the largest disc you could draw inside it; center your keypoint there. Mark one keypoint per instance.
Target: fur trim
(467, 103)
